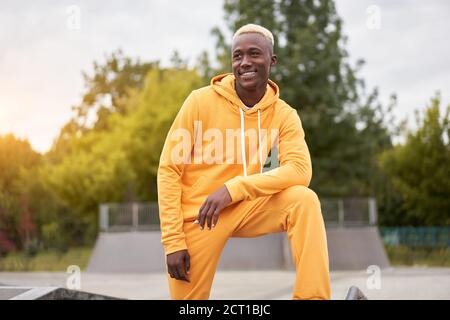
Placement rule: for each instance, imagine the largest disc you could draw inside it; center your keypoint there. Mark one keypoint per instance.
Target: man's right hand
(178, 265)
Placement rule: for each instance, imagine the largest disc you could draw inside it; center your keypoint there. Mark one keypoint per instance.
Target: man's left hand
(211, 208)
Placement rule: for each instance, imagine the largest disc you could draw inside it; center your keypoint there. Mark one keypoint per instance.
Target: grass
(408, 256)
(49, 260)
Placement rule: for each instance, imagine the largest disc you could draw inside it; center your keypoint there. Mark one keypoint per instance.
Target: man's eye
(255, 54)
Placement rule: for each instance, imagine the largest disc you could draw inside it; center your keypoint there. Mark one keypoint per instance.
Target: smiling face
(252, 57)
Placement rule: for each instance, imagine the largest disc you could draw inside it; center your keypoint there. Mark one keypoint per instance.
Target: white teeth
(249, 73)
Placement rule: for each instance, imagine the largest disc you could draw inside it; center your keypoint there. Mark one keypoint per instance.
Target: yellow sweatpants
(295, 210)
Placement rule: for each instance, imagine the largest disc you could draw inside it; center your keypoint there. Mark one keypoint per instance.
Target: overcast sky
(42, 53)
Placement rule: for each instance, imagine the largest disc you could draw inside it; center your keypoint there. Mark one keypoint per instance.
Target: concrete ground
(395, 283)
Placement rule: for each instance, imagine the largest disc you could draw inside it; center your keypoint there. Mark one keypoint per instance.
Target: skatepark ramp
(130, 241)
(355, 248)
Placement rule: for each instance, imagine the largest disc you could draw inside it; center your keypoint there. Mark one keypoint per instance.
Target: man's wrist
(233, 189)
(169, 249)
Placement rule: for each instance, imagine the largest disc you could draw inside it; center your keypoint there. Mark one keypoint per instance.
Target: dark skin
(252, 57)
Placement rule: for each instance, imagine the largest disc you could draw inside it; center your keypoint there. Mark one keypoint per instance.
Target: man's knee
(305, 204)
(301, 195)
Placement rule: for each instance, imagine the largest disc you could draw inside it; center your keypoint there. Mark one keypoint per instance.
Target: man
(211, 188)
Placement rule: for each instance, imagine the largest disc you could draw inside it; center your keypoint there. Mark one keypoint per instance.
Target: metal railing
(346, 212)
(129, 216)
(349, 212)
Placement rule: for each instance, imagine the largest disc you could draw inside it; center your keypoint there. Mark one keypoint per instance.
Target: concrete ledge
(48, 293)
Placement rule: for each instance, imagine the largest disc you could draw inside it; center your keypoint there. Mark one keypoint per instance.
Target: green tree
(204, 67)
(419, 169)
(120, 164)
(17, 158)
(96, 171)
(107, 91)
(108, 88)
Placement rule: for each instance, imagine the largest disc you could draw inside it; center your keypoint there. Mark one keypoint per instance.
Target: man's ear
(273, 60)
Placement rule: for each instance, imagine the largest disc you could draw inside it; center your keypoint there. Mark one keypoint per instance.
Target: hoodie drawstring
(244, 161)
(259, 143)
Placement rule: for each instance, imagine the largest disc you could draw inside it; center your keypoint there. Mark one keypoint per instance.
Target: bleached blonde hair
(254, 28)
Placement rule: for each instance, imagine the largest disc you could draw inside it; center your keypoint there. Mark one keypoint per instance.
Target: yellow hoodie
(214, 140)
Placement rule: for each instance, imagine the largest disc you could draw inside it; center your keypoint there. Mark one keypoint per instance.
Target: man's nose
(245, 61)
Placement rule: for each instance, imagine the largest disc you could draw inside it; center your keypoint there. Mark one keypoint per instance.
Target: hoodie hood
(224, 85)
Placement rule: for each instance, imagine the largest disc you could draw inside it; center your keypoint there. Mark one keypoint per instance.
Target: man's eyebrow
(249, 49)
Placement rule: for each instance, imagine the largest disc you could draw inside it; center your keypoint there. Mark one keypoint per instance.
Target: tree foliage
(17, 160)
(419, 169)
